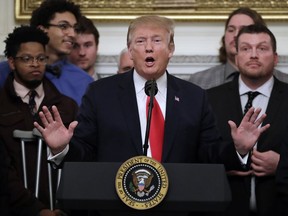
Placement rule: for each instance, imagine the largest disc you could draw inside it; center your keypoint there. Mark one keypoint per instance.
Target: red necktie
(156, 135)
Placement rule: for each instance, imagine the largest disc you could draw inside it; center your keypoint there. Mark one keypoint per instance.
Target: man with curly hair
(25, 51)
(58, 18)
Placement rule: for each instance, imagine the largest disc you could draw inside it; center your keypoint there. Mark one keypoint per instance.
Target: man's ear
(171, 49)
(130, 52)
(11, 63)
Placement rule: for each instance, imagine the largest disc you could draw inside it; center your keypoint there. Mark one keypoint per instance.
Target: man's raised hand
(54, 132)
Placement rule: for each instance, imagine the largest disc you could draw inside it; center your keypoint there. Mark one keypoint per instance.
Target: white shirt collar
(23, 92)
(139, 82)
(265, 89)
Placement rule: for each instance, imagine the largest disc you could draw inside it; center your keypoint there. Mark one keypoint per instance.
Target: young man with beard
(227, 70)
(251, 168)
(25, 91)
(58, 18)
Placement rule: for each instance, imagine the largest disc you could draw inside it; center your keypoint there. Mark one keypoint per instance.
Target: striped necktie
(32, 103)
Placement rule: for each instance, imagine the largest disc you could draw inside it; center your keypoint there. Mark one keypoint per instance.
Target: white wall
(197, 43)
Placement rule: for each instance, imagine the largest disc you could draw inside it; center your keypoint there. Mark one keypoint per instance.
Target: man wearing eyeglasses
(58, 18)
(25, 51)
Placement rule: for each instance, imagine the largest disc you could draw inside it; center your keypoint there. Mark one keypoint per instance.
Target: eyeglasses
(64, 26)
(27, 59)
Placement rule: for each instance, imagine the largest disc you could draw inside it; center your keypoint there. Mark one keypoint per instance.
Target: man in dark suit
(112, 118)
(251, 168)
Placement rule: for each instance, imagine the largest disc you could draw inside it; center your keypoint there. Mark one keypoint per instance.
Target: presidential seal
(141, 182)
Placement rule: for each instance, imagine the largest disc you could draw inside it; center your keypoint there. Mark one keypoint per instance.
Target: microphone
(151, 90)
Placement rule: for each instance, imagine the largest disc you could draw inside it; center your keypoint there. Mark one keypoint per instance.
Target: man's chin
(64, 52)
(33, 84)
(231, 51)
(84, 67)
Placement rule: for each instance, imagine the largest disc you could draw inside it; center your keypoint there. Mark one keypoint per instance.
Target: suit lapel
(234, 102)
(275, 101)
(128, 103)
(171, 118)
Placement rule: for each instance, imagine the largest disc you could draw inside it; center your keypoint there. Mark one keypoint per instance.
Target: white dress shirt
(139, 83)
(261, 101)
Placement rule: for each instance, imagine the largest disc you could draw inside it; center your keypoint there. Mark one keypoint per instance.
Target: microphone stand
(151, 90)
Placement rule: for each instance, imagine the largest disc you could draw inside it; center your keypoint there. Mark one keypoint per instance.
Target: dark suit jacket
(225, 101)
(282, 181)
(109, 126)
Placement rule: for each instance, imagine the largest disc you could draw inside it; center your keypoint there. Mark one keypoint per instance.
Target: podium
(192, 188)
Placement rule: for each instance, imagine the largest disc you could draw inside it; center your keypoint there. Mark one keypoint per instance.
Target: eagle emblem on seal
(141, 182)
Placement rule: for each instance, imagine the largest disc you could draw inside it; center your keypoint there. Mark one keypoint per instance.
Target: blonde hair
(152, 20)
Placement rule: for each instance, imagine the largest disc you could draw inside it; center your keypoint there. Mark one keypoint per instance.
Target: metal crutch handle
(24, 136)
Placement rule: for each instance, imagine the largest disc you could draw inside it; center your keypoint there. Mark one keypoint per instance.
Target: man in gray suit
(227, 70)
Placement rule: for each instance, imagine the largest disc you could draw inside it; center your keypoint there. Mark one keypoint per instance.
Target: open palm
(247, 134)
(54, 132)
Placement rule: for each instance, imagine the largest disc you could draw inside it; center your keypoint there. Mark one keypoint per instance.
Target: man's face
(84, 52)
(61, 39)
(256, 59)
(150, 50)
(237, 22)
(27, 70)
(125, 63)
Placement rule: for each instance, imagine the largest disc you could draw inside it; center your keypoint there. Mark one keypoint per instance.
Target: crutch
(24, 136)
(37, 134)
